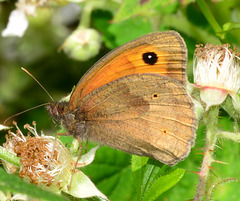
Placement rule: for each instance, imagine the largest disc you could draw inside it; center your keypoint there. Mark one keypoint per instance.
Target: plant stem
(86, 16)
(210, 18)
(212, 21)
(9, 157)
(211, 121)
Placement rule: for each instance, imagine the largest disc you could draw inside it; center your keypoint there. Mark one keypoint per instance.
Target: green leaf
(134, 7)
(162, 184)
(138, 163)
(231, 25)
(151, 173)
(231, 106)
(120, 31)
(111, 173)
(14, 184)
(152, 178)
(82, 187)
(101, 21)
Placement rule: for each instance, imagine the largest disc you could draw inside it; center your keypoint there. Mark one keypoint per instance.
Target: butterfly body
(134, 100)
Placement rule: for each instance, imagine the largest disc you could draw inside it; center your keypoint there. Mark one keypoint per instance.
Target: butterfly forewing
(168, 48)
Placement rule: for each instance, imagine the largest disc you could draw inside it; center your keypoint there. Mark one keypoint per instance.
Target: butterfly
(134, 99)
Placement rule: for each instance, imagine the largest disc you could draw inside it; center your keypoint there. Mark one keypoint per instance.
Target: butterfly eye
(150, 58)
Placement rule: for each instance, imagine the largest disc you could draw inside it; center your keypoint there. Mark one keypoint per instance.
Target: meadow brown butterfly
(134, 99)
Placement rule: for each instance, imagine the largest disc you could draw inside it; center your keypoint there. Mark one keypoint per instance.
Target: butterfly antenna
(4, 123)
(32, 107)
(38, 83)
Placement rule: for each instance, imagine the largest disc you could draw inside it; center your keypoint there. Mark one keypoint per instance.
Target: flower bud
(82, 44)
(216, 72)
(46, 162)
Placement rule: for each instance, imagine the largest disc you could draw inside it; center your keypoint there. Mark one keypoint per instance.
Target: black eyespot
(150, 58)
(155, 95)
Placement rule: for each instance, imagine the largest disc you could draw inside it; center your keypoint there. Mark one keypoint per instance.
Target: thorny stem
(211, 121)
(229, 135)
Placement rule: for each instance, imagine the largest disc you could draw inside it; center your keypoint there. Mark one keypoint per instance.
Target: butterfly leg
(76, 163)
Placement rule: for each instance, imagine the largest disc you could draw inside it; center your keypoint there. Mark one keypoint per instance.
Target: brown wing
(149, 115)
(170, 50)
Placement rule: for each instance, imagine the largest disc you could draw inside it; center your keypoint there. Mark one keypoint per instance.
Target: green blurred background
(117, 22)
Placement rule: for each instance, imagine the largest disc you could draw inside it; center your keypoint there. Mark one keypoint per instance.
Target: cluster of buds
(42, 158)
(46, 162)
(216, 72)
(82, 44)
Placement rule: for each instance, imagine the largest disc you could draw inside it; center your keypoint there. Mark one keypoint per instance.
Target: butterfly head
(58, 111)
